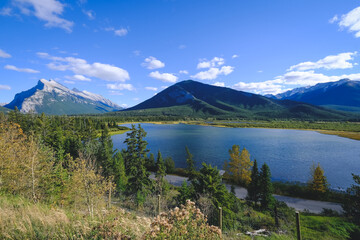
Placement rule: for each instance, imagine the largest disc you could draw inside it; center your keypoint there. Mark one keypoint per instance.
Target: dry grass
(21, 219)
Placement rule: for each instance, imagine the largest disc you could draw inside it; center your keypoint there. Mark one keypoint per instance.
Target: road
(298, 204)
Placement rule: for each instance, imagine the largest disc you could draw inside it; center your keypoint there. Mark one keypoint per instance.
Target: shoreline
(340, 133)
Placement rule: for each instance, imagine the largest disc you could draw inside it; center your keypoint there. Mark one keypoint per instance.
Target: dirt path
(298, 203)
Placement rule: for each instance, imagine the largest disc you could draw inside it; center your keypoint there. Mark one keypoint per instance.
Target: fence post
(220, 218)
(159, 204)
(298, 226)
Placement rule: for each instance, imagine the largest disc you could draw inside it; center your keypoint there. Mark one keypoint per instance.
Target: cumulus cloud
(25, 70)
(46, 10)
(183, 72)
(350, 21)
(151, 88)
(4, 54)
(340, 61)
(165, 77)
(80, 66)
(219, 84)
(235, 56)
(69, 82)
(213, 73)
(266, 87)
(118, 32)
(116, 93)
(152, 63)
(5, 87)
(215, 62)
(120, 86)
(78, 77)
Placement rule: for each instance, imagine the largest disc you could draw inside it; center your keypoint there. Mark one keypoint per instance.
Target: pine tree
(254, 186)
(169, 165)
(318, 182)
(160, 173)
(105, 153)
(266, 188)
(138, 181)
(351, 204)
(150, 163)
(190, 164)
(120, 177)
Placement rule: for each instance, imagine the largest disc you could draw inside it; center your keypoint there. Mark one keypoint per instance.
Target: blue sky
(128, 50)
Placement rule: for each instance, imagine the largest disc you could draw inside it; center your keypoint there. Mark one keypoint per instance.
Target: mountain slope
(195, 99)
(341, 95)
(4, 109)
(51, 97)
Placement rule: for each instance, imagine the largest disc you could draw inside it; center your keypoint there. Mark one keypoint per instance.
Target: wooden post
(109, 200)
(220, 218)
(159, 204)
(298, 226)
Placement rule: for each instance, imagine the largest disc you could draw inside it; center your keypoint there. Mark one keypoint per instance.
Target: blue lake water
(289, 153)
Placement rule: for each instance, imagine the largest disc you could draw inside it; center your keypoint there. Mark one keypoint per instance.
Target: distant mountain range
(341, 95)
(195, 99)
(50, 97)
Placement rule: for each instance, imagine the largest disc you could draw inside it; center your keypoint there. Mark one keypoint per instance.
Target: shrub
(186, 222)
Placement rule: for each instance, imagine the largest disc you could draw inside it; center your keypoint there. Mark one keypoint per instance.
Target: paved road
(298, 203)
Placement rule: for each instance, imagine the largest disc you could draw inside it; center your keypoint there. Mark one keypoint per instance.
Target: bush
(185, 223)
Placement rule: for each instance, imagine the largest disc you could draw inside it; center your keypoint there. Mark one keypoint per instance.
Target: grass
(22, 219)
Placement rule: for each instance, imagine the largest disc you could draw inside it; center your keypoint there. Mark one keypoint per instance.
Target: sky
(129, 50)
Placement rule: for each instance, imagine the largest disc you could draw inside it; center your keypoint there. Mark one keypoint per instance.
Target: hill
(53, 98)
(341, 95)
(194, 99)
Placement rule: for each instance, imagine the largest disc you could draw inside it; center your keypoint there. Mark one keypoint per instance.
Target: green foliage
(266, 188)
(351, 204)
(120, 177)
(170, 165)
(190, 164)
(186, 192)
(254, 186)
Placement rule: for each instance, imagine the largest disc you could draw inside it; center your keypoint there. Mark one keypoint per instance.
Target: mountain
(4, 110)
(194, 99)
(50, 97)
(341, 95)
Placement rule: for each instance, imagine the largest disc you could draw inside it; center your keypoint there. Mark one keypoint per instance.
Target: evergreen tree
(150, 163)
(120, 177)
(186, 192)
(138, 176)
(254, 186)
(190, 164)
(266, 188)
(169, 165)
(351, 204)
(160, 173)
(317, 183)
(105, 153)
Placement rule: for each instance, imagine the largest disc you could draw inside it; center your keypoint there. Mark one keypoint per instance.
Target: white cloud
(124, 105)
(6, 11)
(4, 54)
(46, 10)
(5, 87)
(151, 88)
(26, 70)
(351, 21)
(69, 82)
(235, 56)
(215, 62)
(118, 32)
(78, 77)
(80, 66)
(340, 61)
(266, 87)
(152, 63)
(90, 14)
(183, 72)
(120, 86)
(116, 93)
(165, 77)
(219, 84)
(213, 73)
(334, 19)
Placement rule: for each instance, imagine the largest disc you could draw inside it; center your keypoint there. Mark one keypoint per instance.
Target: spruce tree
(254, 186)
(190, 164)
(351, 203)
(160, 173)
(105, 153)
(169, 165)
(120, 177)
(266, 188)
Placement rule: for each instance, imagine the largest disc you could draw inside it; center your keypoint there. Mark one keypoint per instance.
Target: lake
(289, 153)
